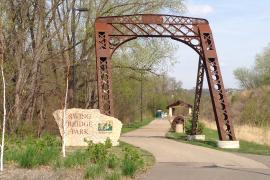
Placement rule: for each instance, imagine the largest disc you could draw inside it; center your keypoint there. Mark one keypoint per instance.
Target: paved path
(176, 160)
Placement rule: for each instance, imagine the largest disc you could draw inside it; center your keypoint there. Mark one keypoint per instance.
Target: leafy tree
(247, 78)
(258, 75)
(262, 66)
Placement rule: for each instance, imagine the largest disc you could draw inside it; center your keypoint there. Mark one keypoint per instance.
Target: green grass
(75, 159)
(211, 136)
(113, 176)
(113, 161)
(132, 162)
(94, 171)
(135, 125)
(148, 158)
(31, 152)
(97, 160)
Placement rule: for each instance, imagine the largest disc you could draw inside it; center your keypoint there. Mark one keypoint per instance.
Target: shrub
(131, 162)
(99, 151)
(188, 127)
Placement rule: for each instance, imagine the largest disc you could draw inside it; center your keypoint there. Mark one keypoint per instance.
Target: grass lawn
(211, 136)
(135, 125)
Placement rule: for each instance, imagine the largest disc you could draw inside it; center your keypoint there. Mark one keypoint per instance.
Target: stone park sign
(89, 125)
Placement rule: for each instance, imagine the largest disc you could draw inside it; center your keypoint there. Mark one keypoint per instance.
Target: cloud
(199, 9)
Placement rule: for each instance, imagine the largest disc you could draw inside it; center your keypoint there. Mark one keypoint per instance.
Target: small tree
(188, 127)
(65, 112)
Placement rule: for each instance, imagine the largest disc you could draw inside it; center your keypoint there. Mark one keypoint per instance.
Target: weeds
(27, 158)
(112, 161)
(77, 158)
(113, 176)
(131, 162)
(32, 152)
(94, 171)
(101, 159)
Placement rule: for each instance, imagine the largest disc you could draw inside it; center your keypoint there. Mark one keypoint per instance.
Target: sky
(241, 29)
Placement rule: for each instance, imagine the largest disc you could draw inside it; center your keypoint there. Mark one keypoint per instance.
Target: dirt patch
(11, 172)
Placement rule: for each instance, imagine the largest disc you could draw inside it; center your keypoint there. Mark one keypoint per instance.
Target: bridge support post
(104, 68)
(216, 86)
(198, 94)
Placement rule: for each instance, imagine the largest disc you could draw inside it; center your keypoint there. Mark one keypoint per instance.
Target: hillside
(248, 107)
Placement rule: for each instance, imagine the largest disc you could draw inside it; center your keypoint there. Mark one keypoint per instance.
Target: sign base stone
(228, 144)
(196, 137)
(84, 125)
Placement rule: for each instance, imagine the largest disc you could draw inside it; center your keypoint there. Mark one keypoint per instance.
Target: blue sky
(241, 29)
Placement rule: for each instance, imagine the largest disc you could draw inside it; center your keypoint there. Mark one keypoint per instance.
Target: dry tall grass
(248, 133)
